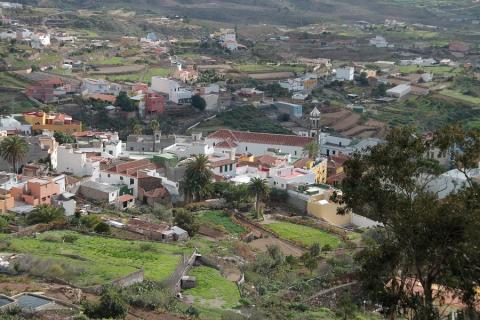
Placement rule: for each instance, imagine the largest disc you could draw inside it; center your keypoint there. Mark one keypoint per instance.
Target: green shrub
(102, 227)
(111, 305)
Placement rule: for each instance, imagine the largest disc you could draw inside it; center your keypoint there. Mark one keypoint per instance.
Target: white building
(10, 124)
(93, 86)
(451, 182)
(9, 34)
(40, 40)
(175, 92)
(345, 74)
(292, 85)
(332, 145)
(379, 42)
(281, 177)
(259, 144)
(188, 149)
(75, 162)
(399, 91)
(418, 62)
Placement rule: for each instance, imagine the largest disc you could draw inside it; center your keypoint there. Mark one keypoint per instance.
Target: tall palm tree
(258, 187)
(198, 178)
(312, 149)
(13, 149)
(137, 129)
(154, 126)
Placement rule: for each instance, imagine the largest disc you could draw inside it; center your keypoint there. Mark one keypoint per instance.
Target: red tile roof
(266, 159)
(261, 138)
(131, 168)
(302, 163)
(125, 197)
(219, 163)
(226, 144)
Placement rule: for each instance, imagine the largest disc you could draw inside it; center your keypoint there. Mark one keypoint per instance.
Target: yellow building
(319, 167)
(52, 121)
(310, 84)
(322, 207)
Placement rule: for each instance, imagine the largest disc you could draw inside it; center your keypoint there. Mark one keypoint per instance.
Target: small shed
(188, 282)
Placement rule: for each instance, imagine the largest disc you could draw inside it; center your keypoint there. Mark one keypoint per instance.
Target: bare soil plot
(119, 69)
(287, 249)
(271, 75)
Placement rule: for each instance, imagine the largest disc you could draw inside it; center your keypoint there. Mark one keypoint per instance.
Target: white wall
(76, 163)
(119, 179)
(258, 149)
(363, 222)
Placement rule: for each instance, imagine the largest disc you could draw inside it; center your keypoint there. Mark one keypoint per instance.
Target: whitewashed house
(77, 163)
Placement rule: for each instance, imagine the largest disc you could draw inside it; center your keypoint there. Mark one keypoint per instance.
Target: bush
(151, 296)
(70, 238)
(192, 311)
(89, 221)
(102, 227)
(187, 222)
(327, 248)
(111, 305)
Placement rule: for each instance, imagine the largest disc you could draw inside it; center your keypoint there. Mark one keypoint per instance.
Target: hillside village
(189, 169)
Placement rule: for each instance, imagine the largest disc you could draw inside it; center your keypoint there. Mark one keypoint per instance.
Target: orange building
(52, 121)
(6, 201)
(36, 191)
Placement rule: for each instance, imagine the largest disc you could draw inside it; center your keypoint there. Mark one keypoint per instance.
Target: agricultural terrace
(255, 68)
(212, 289)
(303, 234)
(222, 220)
(91, 260)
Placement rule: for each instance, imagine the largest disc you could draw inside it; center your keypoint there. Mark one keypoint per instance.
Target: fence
(173, 282)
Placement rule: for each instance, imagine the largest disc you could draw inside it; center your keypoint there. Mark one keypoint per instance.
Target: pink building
(154, 103)
(36, 191)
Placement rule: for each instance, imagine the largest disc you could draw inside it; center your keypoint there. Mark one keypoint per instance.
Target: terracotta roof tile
(263, 138)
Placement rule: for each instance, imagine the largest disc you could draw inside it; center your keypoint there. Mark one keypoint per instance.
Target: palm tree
(13, 149)
(259, 188)
(198, 178)
(311, 149)
(137, 129)
(154, 126)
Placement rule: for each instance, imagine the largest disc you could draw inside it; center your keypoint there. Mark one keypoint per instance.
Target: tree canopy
(124, 102)
(198, 102)
(425, 240)
(13, 149)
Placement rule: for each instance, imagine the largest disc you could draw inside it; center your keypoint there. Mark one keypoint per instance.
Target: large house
(127, 174)
(52, 121)
(76, 162)
(259, 144)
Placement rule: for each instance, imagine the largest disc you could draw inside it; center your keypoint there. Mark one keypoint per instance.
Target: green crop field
(438, 70)
(142, 76)
(213, 290)
(460, 96)
(99, 260)
(253, 68)
(221, 219)
(303, 234)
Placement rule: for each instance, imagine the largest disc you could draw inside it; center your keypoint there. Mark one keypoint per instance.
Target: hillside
(287, 12)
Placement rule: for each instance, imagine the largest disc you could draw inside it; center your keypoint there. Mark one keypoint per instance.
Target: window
(295, 152)
(246, 148)
(333, 152)
(132, 181)
(108, 175)
(221, 169)
(110, 152)
(131, 148)
(231, 167)
(121, 178)
(226, 167)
